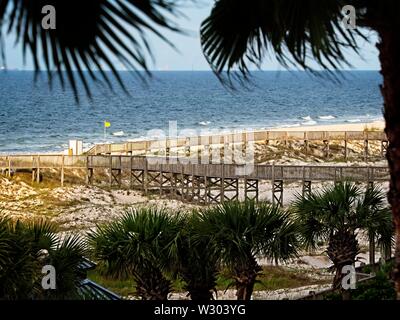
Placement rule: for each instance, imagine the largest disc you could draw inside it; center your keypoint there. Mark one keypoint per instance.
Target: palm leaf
(240, 33)
(89, 34)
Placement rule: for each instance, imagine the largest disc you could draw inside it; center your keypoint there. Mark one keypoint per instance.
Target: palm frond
(240, 33)
(91, 34)
(242, 231)
(343, 207)
(140, 244)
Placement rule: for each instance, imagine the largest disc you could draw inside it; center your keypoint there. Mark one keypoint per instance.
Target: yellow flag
(107, 124)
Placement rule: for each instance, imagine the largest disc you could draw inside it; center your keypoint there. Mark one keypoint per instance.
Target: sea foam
(309, 123)
(204, 123)
(330, 117)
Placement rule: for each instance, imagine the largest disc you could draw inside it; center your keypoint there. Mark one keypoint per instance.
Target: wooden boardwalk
(244, 138)
(193, 182)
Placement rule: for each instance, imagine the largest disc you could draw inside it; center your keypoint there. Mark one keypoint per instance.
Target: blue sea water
(35, 118)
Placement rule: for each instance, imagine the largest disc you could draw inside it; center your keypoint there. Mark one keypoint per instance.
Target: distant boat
(118, 133)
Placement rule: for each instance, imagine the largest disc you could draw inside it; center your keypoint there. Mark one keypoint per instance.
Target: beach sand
(359, 126)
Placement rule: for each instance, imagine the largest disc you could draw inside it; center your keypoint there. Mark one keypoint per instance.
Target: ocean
(36, 119)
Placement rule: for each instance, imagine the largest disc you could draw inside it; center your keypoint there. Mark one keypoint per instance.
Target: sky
(188, 55)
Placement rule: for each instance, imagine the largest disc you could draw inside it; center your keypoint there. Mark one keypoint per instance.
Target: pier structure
(219, 144)
(200, 183)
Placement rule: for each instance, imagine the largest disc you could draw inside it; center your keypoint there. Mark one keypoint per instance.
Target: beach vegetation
(336, 214)
(25, 248)
(271, 278)
(198, 262)
(143, 245)
(242, 232)
(380, 287)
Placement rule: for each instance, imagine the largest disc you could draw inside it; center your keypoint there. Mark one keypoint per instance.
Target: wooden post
(326, 148)
(278, 189)
(345, 145)
(384, 145)
(33, 169)
(145, 176)
(111, 173)
(237, 189)
(182, 184)
(38, 170)
(244, 143)
(161, 179)
(306, 142)
(62, 171)
(222, 195)
(206, 185)
(192, 186)
(328, 151)
(131, 173)
(198, 154)
(9, 167)
(306, 190)
(89, 171)
(272, 181)
(120, 172)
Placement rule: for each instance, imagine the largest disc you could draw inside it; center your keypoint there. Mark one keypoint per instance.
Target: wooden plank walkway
(244, 138)
(193, 182)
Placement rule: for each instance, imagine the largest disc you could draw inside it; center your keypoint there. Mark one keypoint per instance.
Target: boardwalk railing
(205, 142)
(200, 183)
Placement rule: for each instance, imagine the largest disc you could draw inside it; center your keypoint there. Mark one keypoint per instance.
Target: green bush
(379, 288)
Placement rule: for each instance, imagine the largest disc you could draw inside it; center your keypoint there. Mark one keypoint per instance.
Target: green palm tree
(376, 220)
(25, 247)
(198, 264)
(143, 244)
(298, 33)
(242, 232)
(336, 214)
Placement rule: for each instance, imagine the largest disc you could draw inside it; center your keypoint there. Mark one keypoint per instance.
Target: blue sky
(189, 55)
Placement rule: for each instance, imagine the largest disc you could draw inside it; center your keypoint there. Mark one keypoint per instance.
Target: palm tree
(243, 232)
(92, 34)
(238, 33)
(142, 244)
(25, 247)
(198, 263)
(376, 220)
(335, 215)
